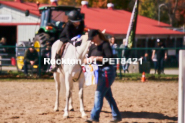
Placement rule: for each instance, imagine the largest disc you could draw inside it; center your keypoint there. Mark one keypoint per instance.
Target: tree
(172, 11)
(171, 7)
(148, 9)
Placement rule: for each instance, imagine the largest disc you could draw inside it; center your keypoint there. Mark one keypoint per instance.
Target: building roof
(32, 7)
(116, 22)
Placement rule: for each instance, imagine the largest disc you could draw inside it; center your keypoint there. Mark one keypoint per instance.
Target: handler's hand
(92, 57)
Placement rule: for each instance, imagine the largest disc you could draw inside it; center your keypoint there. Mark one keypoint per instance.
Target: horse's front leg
(68, 82)
(71, 102)
(57, 86)
(81, 83)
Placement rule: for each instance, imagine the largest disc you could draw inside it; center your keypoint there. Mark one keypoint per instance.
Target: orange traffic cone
(143, 78)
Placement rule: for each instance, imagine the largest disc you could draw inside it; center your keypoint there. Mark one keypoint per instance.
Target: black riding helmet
(74, 16)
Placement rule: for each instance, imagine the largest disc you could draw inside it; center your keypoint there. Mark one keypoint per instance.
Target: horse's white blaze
(68, 73)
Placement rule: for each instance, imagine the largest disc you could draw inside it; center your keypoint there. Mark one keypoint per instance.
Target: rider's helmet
(74, 16)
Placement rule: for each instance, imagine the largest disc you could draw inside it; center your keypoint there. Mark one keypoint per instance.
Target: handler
(75, 26)
(106, 75)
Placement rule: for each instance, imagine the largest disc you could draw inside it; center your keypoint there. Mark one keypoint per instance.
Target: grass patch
(19, 76)
(155, 77)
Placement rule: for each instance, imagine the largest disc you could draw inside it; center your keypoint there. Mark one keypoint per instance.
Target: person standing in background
(126, 65)
(155, 62)
(114, 52)
(161, 56)
(3, 43)
(113, 45)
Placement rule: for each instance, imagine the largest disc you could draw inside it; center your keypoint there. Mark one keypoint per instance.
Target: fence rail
(170, 63)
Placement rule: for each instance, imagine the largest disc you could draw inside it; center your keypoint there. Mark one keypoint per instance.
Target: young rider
(75, 26)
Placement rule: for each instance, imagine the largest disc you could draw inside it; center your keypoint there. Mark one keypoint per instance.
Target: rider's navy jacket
(71, 31)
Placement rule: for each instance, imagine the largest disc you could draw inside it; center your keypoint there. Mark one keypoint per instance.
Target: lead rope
(106, 80)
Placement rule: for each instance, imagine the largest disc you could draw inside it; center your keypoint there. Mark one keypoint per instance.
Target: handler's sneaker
(115, 120)
(91, 121)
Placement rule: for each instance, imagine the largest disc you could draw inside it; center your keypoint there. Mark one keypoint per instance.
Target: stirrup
(54, 69)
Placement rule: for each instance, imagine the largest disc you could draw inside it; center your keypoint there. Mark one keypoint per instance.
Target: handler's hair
(102, 36)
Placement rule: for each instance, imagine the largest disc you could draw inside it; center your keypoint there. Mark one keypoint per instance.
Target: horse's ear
(104, 31)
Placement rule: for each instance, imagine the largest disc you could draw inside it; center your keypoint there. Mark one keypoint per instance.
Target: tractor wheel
(40, 40)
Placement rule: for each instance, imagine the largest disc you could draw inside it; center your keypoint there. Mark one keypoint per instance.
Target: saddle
(76, 41)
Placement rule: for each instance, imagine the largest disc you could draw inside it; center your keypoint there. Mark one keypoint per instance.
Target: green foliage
(148, 9)
(67, 2)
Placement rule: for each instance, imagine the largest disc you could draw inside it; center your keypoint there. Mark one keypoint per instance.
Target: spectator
(30, 57)
(161, 56)
(123, 46)
(145, 58)
(47, 54)
(155, 62)
(3, 43)
(124, 55)
(114, 45)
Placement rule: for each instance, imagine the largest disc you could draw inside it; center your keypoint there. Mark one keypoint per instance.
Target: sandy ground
(166, 71)
(33, 102)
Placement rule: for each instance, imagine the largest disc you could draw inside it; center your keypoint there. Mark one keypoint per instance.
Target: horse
(67, 74)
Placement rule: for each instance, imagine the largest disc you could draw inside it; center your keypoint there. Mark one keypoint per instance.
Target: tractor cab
(54, 17)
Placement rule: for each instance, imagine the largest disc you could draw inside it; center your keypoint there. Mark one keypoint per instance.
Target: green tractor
(53, 19)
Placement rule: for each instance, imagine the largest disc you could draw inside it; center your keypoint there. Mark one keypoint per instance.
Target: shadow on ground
(148, 115)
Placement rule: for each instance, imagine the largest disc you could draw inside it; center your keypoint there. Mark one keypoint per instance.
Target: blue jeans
(125, 66)
(160, 64)
(155, 65)
(104, 90)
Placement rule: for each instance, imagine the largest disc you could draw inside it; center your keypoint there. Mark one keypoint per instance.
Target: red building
(114, 21)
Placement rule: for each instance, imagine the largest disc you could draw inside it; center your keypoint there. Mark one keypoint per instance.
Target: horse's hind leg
(57, 85)
(81, 83)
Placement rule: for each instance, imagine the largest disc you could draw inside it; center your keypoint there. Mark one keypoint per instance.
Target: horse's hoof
(65, 117)
(56, 109)
(84, 116)
(72, 109)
